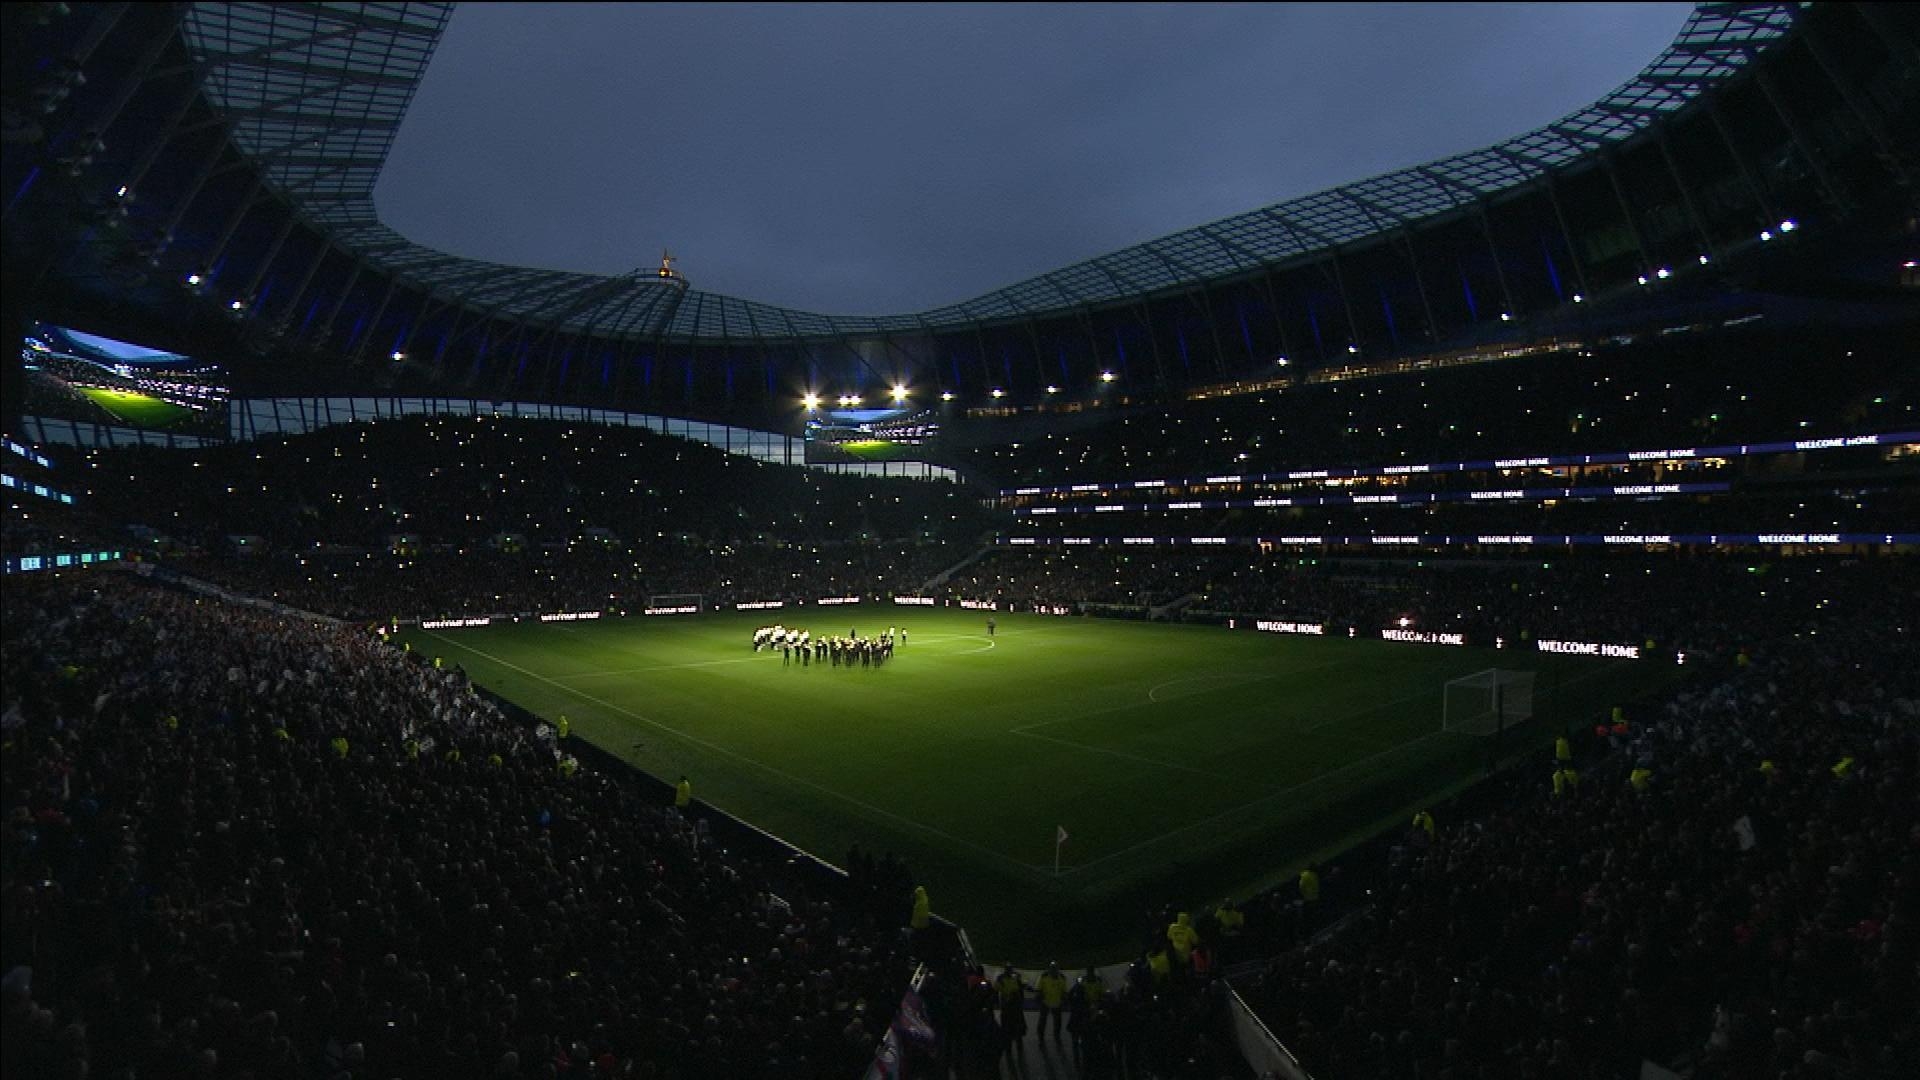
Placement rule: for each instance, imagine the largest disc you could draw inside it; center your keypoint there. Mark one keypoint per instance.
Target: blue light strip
(1502, 495)
(42, 490)
(1624, 457)
(1469, 540)
(26, 564)
(29, 453)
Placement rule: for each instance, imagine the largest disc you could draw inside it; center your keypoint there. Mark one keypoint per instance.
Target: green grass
(870, 450)
(1185, 762)
(140, 410)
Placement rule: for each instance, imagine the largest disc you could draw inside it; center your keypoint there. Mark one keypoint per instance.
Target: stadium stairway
(939, 579)
(1163, 612)
(1047, 1058)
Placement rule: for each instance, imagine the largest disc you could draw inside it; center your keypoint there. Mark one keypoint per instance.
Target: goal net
(1487, 702)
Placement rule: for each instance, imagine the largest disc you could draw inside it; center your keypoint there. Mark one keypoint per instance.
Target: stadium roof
(314, 94)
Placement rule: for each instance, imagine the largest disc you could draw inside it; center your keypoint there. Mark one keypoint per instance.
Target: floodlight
(899, 392)
(194, 279)
(398, 356)
(1108, 376)
(1788, 225)
(811, 400)
(946, 395)
(1051, 389)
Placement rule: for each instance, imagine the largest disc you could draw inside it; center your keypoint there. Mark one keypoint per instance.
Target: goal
(1488, 702)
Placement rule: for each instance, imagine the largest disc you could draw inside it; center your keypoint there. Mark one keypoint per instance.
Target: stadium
(1456, 623)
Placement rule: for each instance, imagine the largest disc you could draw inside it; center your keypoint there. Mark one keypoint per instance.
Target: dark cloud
(882, 159)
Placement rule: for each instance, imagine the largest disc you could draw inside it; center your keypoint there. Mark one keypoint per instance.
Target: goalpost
(1487, 702)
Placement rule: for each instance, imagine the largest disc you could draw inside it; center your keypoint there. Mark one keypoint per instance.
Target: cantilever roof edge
(314, 94)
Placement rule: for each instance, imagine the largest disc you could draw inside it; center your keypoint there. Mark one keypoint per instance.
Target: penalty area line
(1110, 753)
(1405, 747)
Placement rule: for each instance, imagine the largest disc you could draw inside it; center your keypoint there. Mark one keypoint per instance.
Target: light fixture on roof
(1642, 279)
(398, 356)
(1704, 260)
(237, 305)
(1280, 361)
(194, 280)
(1506, 316)
(1052, 389)
(1789, 225)
(1663, 273)
(811, 400)
(1578, 299)
(996, 392)
(1353, 350)
(946, 395)
(1765, 234)
(1108, 376)
(899, 392)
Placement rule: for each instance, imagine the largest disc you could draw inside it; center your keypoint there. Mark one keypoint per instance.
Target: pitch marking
(1112, 753)
(1218, 680)
(737, 756)
(1270, 796)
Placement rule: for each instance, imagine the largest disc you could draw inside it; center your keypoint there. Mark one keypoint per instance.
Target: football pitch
(1184, 762)
(140, 410)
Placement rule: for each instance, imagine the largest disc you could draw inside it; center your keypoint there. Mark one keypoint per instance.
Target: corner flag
(1059, 837)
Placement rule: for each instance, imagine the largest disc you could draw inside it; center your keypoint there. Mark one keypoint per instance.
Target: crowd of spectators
(1730, 388)
(1728, 884)
(1889, 504)
(243, 845)
(1623, 598)
(371, 586)
(468, 481)
(239, 845)
(1146, 1024)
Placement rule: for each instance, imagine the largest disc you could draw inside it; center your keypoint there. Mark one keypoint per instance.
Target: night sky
(880, 159)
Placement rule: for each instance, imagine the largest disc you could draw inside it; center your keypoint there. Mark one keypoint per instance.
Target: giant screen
(75, 375)
(853, 435)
